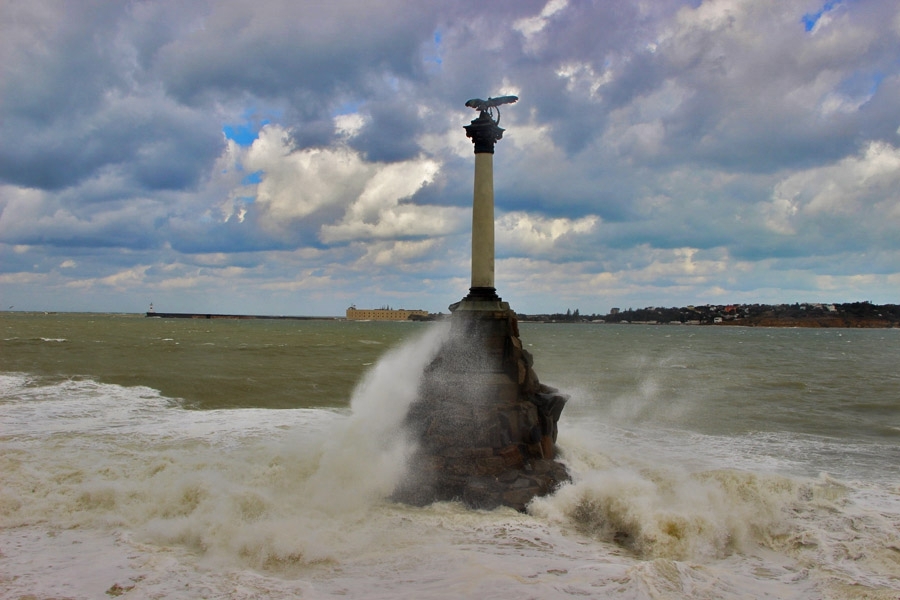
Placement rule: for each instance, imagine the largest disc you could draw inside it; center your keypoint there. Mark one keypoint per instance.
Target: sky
(278, 157)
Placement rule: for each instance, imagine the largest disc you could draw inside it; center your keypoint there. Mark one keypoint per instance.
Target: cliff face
(486, 427)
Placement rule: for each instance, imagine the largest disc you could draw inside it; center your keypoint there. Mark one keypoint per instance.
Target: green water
(842, 383)
(206, 363)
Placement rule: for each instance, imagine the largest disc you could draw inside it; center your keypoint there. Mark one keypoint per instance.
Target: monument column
(485, 425)
(484, 132)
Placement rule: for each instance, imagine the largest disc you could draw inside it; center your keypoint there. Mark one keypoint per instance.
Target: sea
(177, 458)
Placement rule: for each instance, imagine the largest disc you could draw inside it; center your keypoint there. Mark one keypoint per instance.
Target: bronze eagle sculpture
(491, 104)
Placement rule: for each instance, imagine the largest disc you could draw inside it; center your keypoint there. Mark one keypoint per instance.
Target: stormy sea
(158, 458)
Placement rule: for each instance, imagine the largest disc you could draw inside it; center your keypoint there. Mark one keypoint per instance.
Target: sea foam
(108, 489)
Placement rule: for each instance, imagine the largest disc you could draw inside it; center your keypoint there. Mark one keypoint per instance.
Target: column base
(483, 294)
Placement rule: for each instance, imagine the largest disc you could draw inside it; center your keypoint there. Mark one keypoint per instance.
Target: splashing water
(366, 455)
(318, 484)
(108, 489)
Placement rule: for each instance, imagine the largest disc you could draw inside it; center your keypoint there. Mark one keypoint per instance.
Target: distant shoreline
(853, 315)
(857, 315)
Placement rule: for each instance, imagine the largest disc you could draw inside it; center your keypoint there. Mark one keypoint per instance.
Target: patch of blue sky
(877, 78)
(862, 83)
(809, 20)
(245, 133)
(437, 57)
(252, 178)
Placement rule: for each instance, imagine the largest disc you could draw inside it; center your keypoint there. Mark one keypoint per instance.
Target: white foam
(109, 489)
(35, 408)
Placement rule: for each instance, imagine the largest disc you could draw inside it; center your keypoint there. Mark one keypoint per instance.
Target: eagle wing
(482, 105)
(493, 102)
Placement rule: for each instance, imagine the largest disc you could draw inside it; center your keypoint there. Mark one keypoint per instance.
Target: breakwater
(169, 315)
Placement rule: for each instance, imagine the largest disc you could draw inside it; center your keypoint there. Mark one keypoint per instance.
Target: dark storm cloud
(273, 49)
(82, 95)
(390, 134)
(130, 226)
(73, 105)
(674, 137)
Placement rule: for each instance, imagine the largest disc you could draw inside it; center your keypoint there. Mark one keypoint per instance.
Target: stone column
(484, 132)
(485, 425)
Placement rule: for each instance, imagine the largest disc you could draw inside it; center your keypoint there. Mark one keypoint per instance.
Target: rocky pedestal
(485, 426)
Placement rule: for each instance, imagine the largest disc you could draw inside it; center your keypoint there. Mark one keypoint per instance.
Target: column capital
(484, 132)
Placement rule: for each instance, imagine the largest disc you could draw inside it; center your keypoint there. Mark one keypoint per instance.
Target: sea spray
(366, 455)
(658, 508)
(316, 495)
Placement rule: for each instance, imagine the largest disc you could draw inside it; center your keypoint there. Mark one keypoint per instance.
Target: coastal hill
(853, 314)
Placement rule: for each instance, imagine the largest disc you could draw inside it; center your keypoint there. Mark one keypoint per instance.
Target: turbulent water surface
(155, 458)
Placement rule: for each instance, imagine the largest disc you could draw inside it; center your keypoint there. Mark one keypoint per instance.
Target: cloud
(378, 212)
(525, 234)
(74, 106)
(316, 185)
(405, 253)
(296, 184)
(660, 152)
(854, 197)
(531, 27)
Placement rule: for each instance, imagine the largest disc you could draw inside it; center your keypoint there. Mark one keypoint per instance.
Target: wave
(293, 502)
